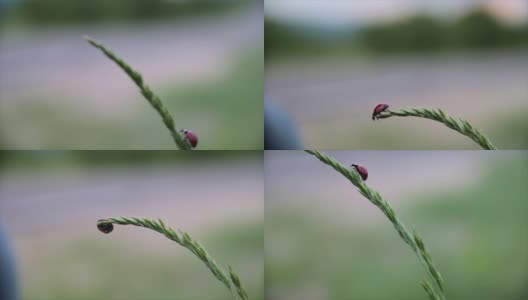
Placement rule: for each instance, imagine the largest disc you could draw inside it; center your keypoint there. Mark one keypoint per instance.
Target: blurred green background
(50, 202)
(50, 12)
(325, 241)
(328, 65)
(203, 58)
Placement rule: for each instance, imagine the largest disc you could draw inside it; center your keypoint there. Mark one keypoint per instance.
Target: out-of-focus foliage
(280, 38)
(75, 159)
(80, 11)
(235, 100)
(477, 30)
(419, 33)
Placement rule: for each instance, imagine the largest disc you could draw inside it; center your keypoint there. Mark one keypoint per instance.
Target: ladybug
(191, 137)
(105, 228)
(361, 170)
(378, 110)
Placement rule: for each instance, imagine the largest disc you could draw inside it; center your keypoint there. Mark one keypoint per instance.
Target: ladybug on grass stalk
(378, 110)
(362, 171)
(190, 136)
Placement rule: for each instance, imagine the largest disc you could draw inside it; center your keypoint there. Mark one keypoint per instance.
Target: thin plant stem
(146, 91)
(230, 279)
(460, 125)
(411, 239)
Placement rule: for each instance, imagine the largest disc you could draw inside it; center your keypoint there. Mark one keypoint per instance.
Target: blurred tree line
(47, 159)
(286, 39)
(80, 11)
(477, 30)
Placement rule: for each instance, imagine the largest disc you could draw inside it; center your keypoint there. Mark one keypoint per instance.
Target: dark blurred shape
(8, 284)
(280, 133)
(80, 11)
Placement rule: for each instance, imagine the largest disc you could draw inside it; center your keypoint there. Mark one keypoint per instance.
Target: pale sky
(344, 12)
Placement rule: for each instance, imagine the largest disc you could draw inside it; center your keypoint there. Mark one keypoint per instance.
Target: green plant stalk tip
(229, 279)
(411, 239)
(146, 91)
(460, 125)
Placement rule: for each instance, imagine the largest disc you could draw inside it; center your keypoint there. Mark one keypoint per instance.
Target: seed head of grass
(179, 138)
(229, 279)
(413, 240)
(459, 125)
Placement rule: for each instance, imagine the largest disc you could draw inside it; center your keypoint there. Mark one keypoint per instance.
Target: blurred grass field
(113, 267)
(230, 109)
(225, 112)
(477, 234)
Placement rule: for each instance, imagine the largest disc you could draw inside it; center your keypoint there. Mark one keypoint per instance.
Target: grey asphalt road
(331, 101)
(321, 90)
(298, 181)
(52, 203)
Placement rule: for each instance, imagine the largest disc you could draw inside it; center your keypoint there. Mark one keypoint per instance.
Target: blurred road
(39, 204)
(58, 62)
(333, 99)
(314, 91)
(297, 179)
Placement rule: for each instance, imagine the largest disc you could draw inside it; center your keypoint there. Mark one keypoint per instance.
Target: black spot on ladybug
(105, 228)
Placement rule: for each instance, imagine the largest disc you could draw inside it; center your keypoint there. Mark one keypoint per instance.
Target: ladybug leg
(383, 115)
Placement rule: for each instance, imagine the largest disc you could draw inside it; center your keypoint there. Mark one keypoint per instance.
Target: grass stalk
(460, 125)
(413, 240)
(146, 91)
(229, 279)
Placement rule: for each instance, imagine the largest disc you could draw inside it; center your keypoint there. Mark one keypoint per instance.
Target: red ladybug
(361, 170)
(191, 137)
(378, 110)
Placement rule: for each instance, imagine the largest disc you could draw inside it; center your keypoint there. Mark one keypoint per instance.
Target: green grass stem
(147, 92)
(411, 239)
(460, 125)
(230, 279)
